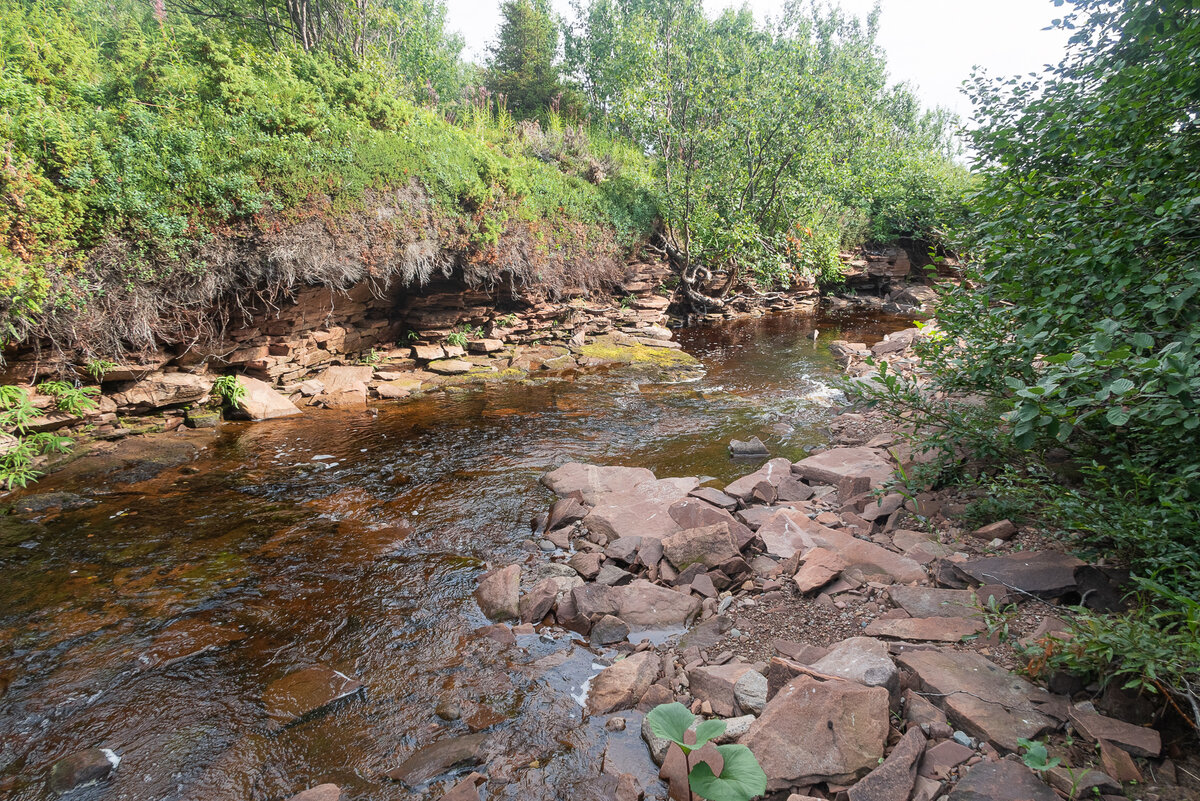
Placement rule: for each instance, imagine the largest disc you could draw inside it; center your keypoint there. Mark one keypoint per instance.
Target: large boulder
(642, 605)
(715, 684)
(162, 389)
(590, 480)
(864, 660)
(814, 731)
(710, 546)
(621, 685)
(857, 464)
(978, 696)
(262, 402)
(307, 691)
(498, 593)
(345, 386)
(630, 514)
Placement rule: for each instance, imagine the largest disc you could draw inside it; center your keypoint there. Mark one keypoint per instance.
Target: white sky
(932, 44)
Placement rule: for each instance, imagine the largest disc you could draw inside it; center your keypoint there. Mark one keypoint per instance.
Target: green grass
(132, 145)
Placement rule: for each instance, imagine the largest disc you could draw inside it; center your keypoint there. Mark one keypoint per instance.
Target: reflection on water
(353, 540)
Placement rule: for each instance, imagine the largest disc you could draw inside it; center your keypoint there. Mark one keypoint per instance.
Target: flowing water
(354, 540)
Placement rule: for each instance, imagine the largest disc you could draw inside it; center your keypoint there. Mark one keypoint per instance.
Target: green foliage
(1153, 649)
(133, 145)
(779, 145)
(229, 390)
(997, 619)
(98, 368)
(1036, 756)
(19, 448)
(1080, 346)
(69, 398)
(522, 67)
(457, 338)
(741, 778)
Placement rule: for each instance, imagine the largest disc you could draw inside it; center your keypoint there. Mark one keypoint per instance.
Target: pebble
(962, 738)
(734, 633)
(615, 724)
(547, 545)
(726, 602)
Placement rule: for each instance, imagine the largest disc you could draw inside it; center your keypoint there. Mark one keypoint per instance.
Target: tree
(778, 143)
(522, 66)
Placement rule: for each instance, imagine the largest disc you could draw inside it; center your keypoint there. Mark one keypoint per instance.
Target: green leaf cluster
(741, 777)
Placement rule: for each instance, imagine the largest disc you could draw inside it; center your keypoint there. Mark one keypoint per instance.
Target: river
(354, 540)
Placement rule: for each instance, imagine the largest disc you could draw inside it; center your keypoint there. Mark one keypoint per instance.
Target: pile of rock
(903, 711)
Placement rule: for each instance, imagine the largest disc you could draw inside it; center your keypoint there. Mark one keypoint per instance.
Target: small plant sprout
(97, 368)
(229, 390)
(1036, 756)
(741, 778)
(457, 338)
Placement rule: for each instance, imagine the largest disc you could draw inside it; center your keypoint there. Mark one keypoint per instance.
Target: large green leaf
(670, 722)
(709, 730)
(741, 778)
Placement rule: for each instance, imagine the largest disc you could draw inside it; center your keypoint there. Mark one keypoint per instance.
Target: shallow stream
(354, 540)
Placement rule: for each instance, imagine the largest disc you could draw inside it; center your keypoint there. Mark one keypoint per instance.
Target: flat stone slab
(1001, 781)
(1046, 574)
(186, 639)
(307, 691)
(978, 696)
(894, 779)
(590, 480)
(1137, 740)
(450, 366)
(715, 497)
(935, 602)
(836, 464)
(437, 758)
(925, 629)
(813, 731)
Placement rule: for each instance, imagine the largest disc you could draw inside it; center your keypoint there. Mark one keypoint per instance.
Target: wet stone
(623, 684)
(307, 691)
(80, 769)
(498, 593)
(186, 639)
(438, 758)
(608, 630)
(322, 792)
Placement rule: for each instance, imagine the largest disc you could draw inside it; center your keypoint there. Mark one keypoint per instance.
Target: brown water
(354, 540)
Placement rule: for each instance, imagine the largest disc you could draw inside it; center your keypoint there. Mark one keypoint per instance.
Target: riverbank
(334, 350)
(857, 638)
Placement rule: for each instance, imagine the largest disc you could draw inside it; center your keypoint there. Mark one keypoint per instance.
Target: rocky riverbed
(319, 618)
